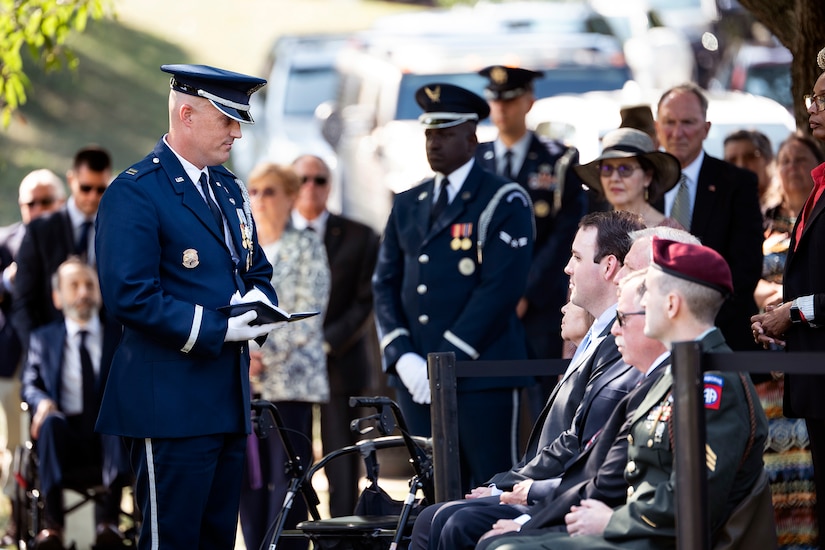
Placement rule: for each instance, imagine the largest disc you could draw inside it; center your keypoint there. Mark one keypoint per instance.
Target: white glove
(239, 329)
(412, 369)
(254, 295)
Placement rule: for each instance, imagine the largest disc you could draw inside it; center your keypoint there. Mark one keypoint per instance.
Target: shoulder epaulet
(140, 168)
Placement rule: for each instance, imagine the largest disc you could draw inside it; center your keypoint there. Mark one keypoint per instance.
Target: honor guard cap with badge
(228, 91)
(446, 105)
(508, 82)
(692, 262)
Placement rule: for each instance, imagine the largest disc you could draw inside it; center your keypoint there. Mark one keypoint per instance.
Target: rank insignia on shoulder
(713, 391)
(132, 171)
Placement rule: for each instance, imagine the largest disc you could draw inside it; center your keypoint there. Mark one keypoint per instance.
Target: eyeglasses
(265, 192)
(624, 170)
(317, 180)
(44, 203)
(87, 188)
(818, 99)
(621, 318)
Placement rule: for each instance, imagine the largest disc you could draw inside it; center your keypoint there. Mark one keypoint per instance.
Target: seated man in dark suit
(605, 452)
(63, 379)
(685, 287)
(581, 402)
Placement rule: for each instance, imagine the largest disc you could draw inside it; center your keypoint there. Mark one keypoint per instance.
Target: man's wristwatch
(796, 315)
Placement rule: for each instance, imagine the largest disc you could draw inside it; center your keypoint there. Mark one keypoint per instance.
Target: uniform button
(423, 259)
(423, 319)
(629, 492)
(631, 467)
(630, 439)
(156, 160)
(421, 289)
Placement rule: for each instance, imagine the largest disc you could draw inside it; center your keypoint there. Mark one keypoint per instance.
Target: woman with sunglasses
(290, 369)
(632, 175)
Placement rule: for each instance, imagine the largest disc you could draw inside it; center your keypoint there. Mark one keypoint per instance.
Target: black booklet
(266, 313)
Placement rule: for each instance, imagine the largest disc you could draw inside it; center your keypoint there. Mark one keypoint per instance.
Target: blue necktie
(213, 207)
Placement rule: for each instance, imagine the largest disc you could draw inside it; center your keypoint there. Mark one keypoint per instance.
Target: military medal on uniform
(246, 224)
(246, 237)
(461, 236)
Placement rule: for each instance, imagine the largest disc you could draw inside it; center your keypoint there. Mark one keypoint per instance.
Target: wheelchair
(378, 522)
(29, 505)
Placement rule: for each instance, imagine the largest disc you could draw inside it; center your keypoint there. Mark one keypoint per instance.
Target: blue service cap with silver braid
(228, 91)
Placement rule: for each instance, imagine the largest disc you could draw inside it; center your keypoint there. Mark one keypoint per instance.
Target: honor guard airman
(541, 167)
(451, 268)
(175, 241)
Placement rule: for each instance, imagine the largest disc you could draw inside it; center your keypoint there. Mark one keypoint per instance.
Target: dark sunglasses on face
(87, 188)
(265, 192)
(624, 170)
(45, 203)
(621, 318)
(317, 180)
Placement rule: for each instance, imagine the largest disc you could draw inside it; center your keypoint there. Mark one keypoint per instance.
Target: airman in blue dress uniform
(542, 167)
(178, 391)
(450, 271)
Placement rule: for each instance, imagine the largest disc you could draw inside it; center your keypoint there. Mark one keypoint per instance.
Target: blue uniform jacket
(454, 286)
(164, 270)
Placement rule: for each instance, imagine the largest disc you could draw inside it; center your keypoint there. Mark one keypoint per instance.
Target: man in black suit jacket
(800, 320)
(581, 402)
(722, 208)
(51, 239)
(65, 357)
(349, 334)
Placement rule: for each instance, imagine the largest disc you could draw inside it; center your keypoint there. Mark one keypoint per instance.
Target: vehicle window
(575, 80)
(408, 109)
(309, 87)
(559, 80)
(773, 81)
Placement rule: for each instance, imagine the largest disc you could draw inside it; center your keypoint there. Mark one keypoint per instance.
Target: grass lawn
(117, 97)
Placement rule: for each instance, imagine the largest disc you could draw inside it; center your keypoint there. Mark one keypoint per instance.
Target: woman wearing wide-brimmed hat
(632, 175)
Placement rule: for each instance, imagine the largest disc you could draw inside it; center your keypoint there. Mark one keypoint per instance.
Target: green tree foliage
(41, 26)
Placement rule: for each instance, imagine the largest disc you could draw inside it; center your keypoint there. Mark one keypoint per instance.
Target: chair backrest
(751, 524)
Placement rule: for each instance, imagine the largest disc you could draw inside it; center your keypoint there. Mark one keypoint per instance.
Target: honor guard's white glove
(412, 369)
(239, 328)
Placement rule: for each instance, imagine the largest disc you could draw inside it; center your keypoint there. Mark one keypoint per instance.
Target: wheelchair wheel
(28, 506)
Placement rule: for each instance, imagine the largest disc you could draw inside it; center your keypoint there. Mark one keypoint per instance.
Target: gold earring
(647, 194)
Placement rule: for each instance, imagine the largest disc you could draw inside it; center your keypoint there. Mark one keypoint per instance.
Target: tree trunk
(800, 26)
